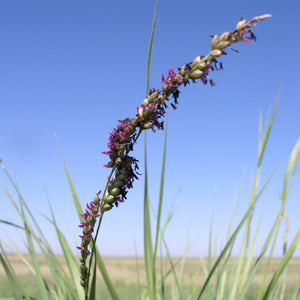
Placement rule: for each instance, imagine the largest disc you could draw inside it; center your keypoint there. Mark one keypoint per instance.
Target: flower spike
(148, 116)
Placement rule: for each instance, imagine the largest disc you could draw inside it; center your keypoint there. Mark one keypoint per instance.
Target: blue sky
(73, 68)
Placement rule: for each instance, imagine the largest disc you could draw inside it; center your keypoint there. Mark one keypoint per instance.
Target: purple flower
(86, 237)
(173, 79)
(87, 225)
(243, 37)
(120, 142)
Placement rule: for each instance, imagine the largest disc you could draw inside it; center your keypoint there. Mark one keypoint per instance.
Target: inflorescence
(148, 115)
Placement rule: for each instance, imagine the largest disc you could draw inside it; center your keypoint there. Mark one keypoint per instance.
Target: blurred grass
(123, 275)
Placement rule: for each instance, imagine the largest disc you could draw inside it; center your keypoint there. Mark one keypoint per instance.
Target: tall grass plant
(225, 277)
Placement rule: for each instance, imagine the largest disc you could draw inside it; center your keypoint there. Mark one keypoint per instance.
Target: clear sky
(73, 68)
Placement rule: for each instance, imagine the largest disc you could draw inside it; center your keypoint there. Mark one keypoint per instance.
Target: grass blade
(38, 274)
(92, 295)
(288, 255)
(149, 257)
(232, 238)
(100, 263)
(148, 250)
(74, 286)
(151, 47)
(106, 278)
(161, 190)
(17, 288)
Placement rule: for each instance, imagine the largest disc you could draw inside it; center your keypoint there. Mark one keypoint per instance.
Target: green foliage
(149, 254)
(37, 243)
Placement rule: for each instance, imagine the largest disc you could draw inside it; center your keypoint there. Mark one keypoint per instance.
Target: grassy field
(123, 272)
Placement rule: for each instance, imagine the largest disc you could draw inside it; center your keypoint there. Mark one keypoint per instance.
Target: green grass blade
(38, 274)
(42, 243)
(291, 170)
(49, 255)
(162, 283)
(262, 146)
(232, 238)
(12, 224)
(148, 250)
(287, 184)
(161, 189)
(92, 294)
(151, 47)
(14, 249)
(259, 258)
(46, 249)
(29, 232)
(288, 255)
(221, 277)
(269, 261)
(62, 283)
(182, 267)
(296, 292)
(100, 263)
(17, 288)
(241, 260)
(138, 276)
(172, 265)
(172, 270)
(210, 252)
(267, 132)
(11, 200)
(245, 264)
(106, 278)
(72, 286)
